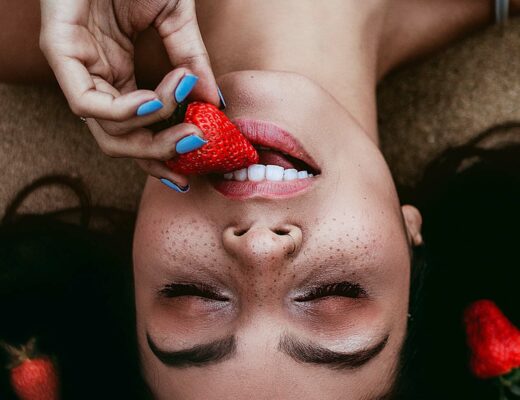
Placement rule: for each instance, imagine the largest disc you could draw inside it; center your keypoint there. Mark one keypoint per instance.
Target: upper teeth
(259, 172)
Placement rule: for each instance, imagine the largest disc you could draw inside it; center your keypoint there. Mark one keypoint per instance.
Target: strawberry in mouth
(284, 168)
(246, 158)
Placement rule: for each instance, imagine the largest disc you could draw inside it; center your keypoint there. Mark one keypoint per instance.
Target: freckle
(294, 275)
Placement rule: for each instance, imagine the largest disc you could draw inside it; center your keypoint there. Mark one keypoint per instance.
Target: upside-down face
(283, 281)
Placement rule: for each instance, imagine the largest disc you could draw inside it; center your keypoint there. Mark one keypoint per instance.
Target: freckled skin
(343, 236)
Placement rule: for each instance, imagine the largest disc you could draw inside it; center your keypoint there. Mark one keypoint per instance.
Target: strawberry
(33, 376)
(493, 340)
(227, 149)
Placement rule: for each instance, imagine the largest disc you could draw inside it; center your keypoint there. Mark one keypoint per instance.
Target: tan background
(423, 109)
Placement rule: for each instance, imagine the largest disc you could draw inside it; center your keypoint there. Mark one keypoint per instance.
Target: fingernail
(189, 143)
(175, 187)
(185, 87)
(149, 107)
(222, 101)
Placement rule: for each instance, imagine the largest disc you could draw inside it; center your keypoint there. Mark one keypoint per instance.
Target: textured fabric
(449, 99)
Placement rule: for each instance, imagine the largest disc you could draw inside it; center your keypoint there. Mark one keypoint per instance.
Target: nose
(262, 246)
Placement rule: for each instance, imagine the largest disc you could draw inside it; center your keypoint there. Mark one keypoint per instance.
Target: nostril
(282, 231)
(240, 232)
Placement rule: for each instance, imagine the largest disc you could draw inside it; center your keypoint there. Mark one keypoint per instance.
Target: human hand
(89, 46)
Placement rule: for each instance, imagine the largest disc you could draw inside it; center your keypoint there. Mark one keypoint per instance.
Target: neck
(329, 42)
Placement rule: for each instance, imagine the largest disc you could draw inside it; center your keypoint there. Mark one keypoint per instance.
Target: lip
(262, 133)
(265, 189)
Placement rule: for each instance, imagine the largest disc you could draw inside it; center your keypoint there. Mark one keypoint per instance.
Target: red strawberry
(33, 376)
(493, 339)
(227, 149)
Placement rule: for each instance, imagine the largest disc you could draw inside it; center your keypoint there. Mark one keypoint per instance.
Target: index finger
(183, 42)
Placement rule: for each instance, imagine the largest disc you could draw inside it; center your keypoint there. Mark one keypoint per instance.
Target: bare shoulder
(414, 28)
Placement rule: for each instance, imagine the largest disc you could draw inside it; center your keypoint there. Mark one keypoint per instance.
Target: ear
(413, 224)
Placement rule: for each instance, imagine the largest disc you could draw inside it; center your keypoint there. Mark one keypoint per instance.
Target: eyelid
(336, 289)
(181, 289)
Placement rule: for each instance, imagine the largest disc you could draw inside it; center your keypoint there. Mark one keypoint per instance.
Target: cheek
(169, 231)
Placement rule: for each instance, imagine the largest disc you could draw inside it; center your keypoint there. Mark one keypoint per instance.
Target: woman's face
(265, 291)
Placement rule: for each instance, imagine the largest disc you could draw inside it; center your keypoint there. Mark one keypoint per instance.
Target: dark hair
(66, 279)
(470, 201)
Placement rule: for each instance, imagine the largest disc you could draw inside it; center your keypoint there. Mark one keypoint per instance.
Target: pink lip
(266, 134)
(265, 189)
(263, 133)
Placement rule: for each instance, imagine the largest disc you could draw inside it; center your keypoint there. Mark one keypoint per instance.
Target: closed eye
(339, 289)
(173, 290)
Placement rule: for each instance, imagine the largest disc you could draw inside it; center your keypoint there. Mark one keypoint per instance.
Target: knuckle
(166, 154)
(119, 116)
(44, 42)
(115, 129)
(109, 150)
(77, 108)
(165, 113)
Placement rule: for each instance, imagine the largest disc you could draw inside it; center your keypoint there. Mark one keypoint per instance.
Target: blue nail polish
(185, 87)
(189, 143)
(149, 107)
(222, 101)
(175, 187)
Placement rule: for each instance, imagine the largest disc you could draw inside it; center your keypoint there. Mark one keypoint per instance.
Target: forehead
(260, 372)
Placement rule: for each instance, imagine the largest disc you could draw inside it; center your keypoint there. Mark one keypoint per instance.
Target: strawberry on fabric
(494, 341)
(33, 376)
(227, 149)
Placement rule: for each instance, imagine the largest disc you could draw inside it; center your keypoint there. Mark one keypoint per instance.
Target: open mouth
(284, 168)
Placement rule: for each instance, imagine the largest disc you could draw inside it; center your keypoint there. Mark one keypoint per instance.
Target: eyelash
(342, 289)
(190, 289)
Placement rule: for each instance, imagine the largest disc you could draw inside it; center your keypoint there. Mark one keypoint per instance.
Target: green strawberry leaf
(503, 395)
(515, 389)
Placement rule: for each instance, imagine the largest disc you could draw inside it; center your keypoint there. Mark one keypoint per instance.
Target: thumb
(182, 39)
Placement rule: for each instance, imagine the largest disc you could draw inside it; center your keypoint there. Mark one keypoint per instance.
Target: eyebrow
(220, 350)
(308, 352)
(198, 355)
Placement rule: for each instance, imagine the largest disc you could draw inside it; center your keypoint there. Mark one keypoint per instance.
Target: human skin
(260, 254)
(348, 228)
